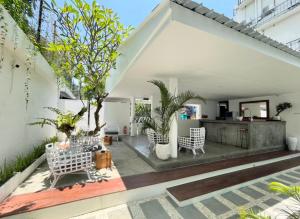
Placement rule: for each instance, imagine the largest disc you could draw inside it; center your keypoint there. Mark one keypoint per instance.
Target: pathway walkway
(224, 205)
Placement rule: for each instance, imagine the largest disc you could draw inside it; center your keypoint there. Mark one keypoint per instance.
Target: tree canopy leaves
(86, 48)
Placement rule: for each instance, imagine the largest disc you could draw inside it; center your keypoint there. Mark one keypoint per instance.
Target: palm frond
(44, 121)
(55, 110)
(291, 191)
(79, 115)
(149, 123)
(182, 98)
(165, 96)
(169, 105)
(250, 214)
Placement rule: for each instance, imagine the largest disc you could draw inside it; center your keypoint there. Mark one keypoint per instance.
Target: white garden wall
(117, 114)
(291, 116)
(16, 135)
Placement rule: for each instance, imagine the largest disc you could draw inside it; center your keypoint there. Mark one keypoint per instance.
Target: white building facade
(277, 19)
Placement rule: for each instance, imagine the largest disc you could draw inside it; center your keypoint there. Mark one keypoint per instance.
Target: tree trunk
(97, 117)
(39, 29)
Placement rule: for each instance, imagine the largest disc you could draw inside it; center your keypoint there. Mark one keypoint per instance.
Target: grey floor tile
(153, 210)
(188, 212)
(288, 178)
(294, 174)
(256, 209)
(236, 216)
(262, 186)
(234, 198)
(271, 202)
(215, 206)
(251, 192)
(297, 170)
(277, 180)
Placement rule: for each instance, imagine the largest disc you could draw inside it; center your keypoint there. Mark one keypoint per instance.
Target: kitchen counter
(251, 135)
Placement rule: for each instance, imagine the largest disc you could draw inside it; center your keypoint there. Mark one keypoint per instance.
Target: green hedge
(23, 161)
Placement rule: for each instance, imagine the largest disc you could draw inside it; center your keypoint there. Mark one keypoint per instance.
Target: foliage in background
(87, 44)
(23, 161)
(282, 107)
(169, 105)
(64, 122)
(21, 11)
(293, 212)
(142, 111)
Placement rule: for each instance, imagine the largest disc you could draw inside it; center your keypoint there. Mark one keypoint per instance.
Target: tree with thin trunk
(40, 20)
(86, 47)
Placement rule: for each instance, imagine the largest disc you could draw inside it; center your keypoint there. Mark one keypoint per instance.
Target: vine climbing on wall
(3, 35)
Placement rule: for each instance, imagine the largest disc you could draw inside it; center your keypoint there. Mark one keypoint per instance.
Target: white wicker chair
(195, 141)
(154, 138)
(84, 140)
(62, 162)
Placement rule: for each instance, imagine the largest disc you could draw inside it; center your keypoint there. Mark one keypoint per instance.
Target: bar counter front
(246, 134)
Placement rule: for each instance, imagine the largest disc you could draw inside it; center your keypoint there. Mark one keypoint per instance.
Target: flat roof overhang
(206, 56)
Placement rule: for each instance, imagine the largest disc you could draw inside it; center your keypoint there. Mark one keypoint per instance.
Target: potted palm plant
(161, 123)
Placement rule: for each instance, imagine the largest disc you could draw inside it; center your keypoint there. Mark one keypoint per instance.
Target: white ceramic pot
(277, 118)
(163, 151)
(240, 118)
(292, 143)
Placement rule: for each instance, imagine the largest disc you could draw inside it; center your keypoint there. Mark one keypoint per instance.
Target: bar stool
(221, 135)
(242, 134)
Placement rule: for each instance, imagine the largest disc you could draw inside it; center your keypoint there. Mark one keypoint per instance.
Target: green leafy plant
(64, 122)
(290, 191)
(282, 107)
(87, 45)
(21, 11)
(8, 170)
(142, 111)
(250, 214)
(169, 105)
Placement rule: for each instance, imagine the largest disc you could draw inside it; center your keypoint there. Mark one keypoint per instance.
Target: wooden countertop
(239, 122)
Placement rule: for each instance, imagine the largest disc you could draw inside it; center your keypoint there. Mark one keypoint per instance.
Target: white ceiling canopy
(209, 54)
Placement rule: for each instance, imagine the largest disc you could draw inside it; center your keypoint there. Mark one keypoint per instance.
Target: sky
(133, 12)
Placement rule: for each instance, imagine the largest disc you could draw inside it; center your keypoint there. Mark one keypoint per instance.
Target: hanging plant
(13, 61)
(31, 53)
(3, 35)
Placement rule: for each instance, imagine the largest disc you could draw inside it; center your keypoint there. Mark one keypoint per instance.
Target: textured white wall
(117, 114)
(16, 135)
(286, 30)
(283, 30)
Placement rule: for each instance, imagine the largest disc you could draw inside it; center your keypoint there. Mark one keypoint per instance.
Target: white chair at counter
(195, 141)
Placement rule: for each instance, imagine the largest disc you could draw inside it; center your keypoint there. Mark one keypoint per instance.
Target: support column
(152, 106)
(173, 88)
(132, 115)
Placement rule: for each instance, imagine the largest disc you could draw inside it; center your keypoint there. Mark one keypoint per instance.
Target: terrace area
(179, 125)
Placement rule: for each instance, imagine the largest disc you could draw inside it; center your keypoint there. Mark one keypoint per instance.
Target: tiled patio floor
(213, 152)
(225, 205)
(125, 163)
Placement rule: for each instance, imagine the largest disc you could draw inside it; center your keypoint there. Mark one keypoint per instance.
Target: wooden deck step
(194, 191)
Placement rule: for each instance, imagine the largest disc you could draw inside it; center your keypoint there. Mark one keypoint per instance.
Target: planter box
(7, 188)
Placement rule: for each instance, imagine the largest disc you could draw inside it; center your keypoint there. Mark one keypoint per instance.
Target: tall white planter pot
(292, 143)
(162, 151)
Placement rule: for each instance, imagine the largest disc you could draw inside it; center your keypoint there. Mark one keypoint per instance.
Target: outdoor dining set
(76, 156)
